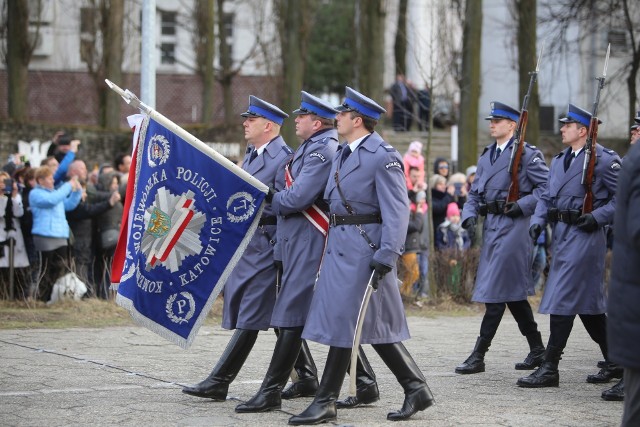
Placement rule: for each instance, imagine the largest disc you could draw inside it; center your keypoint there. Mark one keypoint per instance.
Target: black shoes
(415, 401)
(536, 354)
(615, 393)
(475, 363)
(305, 387)
(546, 375)
(364, 396)
(606, 374)
(209, 389)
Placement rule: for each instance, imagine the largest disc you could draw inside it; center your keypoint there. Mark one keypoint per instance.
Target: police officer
(249, 294)
(302, 228)
(624, 296)
(575, 285)
(369, 210)
(616, 393)
(504, 271)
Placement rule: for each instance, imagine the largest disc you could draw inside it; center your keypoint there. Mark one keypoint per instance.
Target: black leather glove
(534, 231)
(269, 197)
(469, 224)
(278, 265)
(512, 210)
(380, 270)
(587, 223)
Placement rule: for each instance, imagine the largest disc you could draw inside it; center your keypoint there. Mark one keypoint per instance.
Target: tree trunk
(205, 48)
(370, 16)
(470, 84)
(113, 51)
(17, 58)
(226, 73)
(295, 27)
(527, 59)
(400, 45)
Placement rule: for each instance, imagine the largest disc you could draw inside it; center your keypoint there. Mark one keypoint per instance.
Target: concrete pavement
(129, 376)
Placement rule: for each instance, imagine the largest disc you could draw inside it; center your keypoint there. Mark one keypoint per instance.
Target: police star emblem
(172, 230)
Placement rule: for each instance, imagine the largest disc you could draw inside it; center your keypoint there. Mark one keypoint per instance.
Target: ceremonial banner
(189, 215)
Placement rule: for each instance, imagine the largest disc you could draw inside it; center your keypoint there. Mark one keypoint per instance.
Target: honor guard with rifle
(510, 177)
(249, 294)
(578, 202)
(369, 213)
(303, 224)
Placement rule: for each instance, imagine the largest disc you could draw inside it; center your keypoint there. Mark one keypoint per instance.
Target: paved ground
(128, 376)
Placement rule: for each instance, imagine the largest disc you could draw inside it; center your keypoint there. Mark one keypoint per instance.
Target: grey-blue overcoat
(576, 276)
(504, 269)
(300, 245)
(372, 181)
(250, 291)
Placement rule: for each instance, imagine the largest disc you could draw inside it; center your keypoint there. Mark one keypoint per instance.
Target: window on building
(618, 40)
(87, 20)
(168, 22)
(168, 53)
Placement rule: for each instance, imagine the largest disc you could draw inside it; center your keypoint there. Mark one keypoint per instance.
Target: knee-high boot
(366, 385)
(417, 395)
(323, 407)
(307, 383)
(547, 374)
(216, 385)
(284, 357)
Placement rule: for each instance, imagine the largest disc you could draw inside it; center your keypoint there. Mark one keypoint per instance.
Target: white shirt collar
(353, 145)
(261, 149)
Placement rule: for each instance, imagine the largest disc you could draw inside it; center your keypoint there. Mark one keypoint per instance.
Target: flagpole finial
(128, 96)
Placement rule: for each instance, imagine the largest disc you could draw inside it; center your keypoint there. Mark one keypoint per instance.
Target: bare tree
(101, 50)
(204, 44)
(617, 17)
(470, 83)
(527, 58)
(400, 45)
(17, 54)
(294, 28)
(370, 17)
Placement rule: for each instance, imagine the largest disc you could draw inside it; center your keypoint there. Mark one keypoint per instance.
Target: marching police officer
(369, 210)
(575, 285)
(504, 270)
(616, 393)
(249, 294)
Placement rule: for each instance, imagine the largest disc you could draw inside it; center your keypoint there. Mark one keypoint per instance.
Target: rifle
(589, 165)
(521, 128)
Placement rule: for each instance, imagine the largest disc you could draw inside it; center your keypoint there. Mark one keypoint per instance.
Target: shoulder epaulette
(388, 148)
(557, 156)
(287, 149)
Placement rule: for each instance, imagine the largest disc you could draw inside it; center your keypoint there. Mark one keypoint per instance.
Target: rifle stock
(516, 156)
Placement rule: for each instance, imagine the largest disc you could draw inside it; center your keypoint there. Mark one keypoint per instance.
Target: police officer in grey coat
(302, 229)
(575, 285)
(624, 290)
(504, 270)
(250, 291)
(369, 210)
(616, 393)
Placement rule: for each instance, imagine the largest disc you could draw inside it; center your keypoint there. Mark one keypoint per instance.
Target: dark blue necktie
(498, 151)
(568, 160)
(345, 153)
(254, 154)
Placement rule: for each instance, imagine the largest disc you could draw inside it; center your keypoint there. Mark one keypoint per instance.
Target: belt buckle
(332, 220)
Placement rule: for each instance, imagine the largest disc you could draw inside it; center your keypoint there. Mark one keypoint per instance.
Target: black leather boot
(608, 372)
(536, 353)
(475, 362)
(547, 374)
(366, 385)
(216, 385)
(417, 396)
(614, 393)
(307, 383)
(323, 407)
(284, 357)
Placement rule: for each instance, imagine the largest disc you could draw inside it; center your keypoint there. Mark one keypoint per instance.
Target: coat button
(340, 253)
